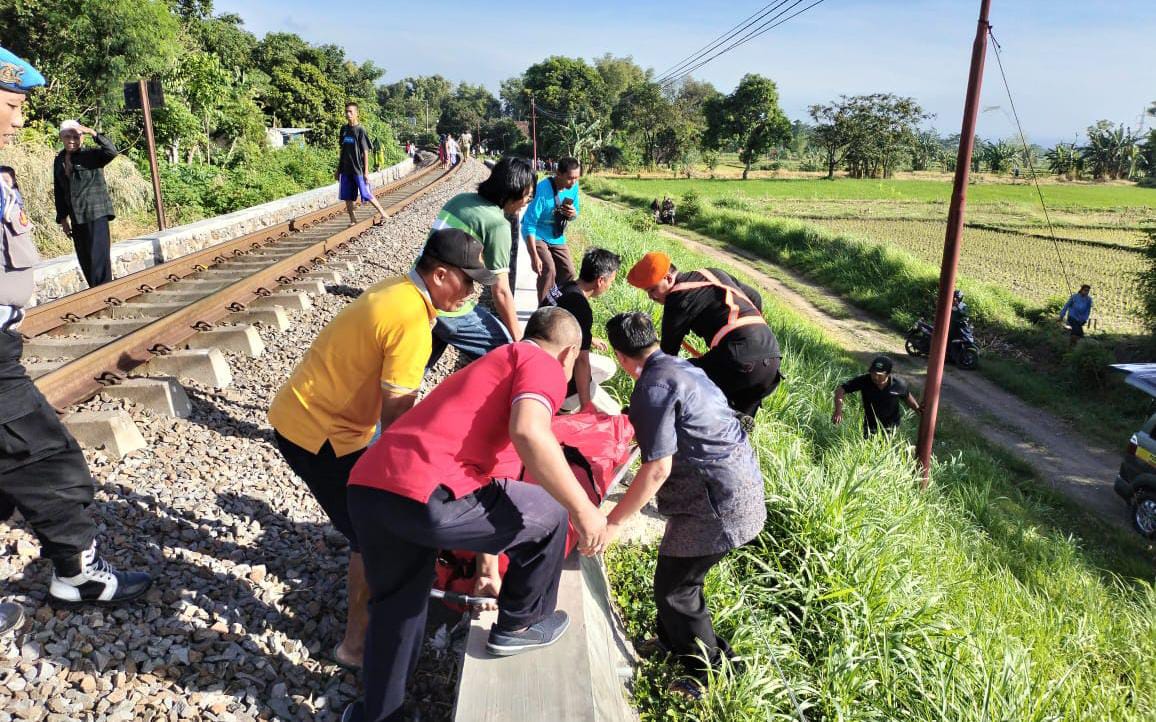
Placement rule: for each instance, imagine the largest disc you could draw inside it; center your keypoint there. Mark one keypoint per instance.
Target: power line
(756, 33)
(1028, 159)
(724, 37)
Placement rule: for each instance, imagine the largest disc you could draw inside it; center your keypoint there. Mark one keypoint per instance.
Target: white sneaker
(88, 578)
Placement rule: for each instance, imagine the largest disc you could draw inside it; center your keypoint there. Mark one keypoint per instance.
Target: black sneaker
(89, 579)
(11, 616)
(541, 634)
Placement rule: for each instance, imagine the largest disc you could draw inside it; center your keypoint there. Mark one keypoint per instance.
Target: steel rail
(44, 318)
(84, 376)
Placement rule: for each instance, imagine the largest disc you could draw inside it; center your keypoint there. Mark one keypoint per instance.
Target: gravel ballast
(249, 598)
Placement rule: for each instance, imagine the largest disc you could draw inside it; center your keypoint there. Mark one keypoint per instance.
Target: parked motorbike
(961, 351)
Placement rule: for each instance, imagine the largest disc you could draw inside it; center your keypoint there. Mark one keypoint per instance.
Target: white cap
(70, 125)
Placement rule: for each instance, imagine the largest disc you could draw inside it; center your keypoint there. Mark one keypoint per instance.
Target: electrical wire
(1028, 159)
(759, 31)
(721, 39)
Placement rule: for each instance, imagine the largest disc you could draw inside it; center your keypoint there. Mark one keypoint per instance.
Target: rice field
(1100, 231)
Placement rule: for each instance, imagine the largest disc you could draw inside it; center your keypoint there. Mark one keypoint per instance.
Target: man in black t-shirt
(353, 165)
(599, 268)
(881, 394)
(743, 357)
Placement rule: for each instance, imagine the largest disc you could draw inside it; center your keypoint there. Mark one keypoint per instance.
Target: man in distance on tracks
(426, 485)
(42, 470)
(353, 165)
(486, 215)
(881, 391)
(698, 462)
(365, 368)
(556, 204)
(743, 357)
(83, 205)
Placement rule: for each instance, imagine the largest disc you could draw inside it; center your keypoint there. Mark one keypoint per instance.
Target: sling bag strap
(734, 320)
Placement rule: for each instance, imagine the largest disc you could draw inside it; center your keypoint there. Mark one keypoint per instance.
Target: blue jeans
(475, 334)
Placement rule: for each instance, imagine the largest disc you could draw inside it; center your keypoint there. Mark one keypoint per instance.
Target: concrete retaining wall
(61, 276)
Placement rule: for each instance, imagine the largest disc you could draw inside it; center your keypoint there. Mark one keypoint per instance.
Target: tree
(926, 151)
(870, 133)
(1112, 152)
(620, 74)
(1000, 156)
(1064, 159)
(643, 111)
(569, 94)
(418, 98)
(88, 50)
(503, 135)
(749, 118)
(467, 109)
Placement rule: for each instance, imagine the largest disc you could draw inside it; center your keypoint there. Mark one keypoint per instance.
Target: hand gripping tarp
(596, 446)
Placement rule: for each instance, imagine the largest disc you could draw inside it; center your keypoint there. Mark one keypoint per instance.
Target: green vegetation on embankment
(1026, 351)
(983, 598)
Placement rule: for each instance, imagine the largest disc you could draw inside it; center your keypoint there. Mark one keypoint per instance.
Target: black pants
(400, 539)
(93, 243)
(744, 381)
(42, 470)
(683, 617)
(327, 476)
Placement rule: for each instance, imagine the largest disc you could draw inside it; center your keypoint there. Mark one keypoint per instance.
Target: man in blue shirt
(699, 466)
(1078, 309)
(555, 204)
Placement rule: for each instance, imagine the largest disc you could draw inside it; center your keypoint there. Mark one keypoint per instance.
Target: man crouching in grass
(699, 464)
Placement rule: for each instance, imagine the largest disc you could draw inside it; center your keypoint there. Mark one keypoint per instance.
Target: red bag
(595, 445)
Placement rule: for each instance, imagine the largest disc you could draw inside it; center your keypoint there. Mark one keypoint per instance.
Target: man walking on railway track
(556, 203)
(1078, 309)
(365, 368)
(426, 485)
(882, 393)
(353, 165)
(83, 205)
(698, 463)
(486, 215)
(42, 470)
(743, 357)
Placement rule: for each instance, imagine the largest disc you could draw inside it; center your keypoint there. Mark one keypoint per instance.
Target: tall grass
(981, 599)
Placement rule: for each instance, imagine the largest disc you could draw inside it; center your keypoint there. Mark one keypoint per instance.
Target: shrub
(641, 221)
(1089, 362)
(690, 205)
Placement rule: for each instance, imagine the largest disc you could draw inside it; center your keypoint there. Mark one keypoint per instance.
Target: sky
(1069, 62)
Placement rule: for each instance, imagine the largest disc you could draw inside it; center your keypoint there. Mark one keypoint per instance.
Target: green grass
(1058, 195)
(984, 598)
(895, 279)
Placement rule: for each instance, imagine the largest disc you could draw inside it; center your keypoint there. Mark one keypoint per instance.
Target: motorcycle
(961, 351)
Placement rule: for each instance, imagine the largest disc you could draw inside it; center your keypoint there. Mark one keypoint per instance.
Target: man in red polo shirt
(426, 485)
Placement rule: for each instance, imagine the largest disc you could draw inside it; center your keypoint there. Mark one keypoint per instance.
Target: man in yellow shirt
(365, 367)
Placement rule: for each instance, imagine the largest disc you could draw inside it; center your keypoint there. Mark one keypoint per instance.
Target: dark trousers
(745, 383)
(42, 470)
(400, 539)
(557, 267)
(683, 617)
(93, 242)
(327, 476)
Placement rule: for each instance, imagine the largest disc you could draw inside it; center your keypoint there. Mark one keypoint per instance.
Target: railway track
(86, 341)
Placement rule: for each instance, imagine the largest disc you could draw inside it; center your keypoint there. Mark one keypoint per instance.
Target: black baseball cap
(459, 249)
(881, 364)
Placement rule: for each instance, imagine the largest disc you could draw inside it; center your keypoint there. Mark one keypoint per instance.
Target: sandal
(336, 659)
(688, 688)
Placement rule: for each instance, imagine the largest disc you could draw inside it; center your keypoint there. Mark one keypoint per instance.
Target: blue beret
(17, 75)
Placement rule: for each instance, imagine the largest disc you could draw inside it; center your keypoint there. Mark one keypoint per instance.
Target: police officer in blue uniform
(42, 470)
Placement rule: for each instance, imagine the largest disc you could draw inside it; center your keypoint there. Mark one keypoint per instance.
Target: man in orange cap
(743, 359)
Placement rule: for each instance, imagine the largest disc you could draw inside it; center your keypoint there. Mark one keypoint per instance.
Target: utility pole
(146, 108)
(534, 130)
(951, 247)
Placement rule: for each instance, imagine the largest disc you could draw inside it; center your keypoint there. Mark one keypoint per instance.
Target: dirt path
(1071, 465)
